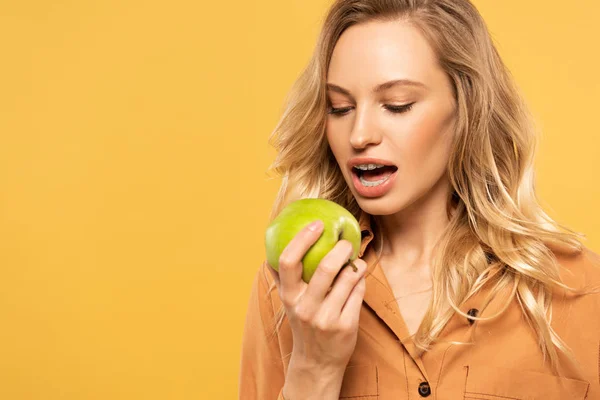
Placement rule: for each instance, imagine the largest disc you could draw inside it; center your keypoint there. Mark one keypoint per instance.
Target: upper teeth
(366, 167)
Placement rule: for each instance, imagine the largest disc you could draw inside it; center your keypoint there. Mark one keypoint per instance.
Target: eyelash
(393, 109)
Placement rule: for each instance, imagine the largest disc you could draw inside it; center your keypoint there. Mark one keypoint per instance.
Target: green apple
(338, 224)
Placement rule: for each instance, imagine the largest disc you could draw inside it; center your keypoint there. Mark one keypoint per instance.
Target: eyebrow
(379, 88)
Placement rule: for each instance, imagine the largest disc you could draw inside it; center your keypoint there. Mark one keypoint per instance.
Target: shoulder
(260, 305)
(590, 266)
(581, 269)
(267, 282)
(576, 317)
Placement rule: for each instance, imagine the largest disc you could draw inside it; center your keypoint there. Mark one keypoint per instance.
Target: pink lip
(374, 191)
(368, 160)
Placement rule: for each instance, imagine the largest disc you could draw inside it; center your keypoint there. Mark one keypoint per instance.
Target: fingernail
(315, 226)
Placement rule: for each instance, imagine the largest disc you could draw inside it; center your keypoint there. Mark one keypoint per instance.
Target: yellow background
(132, 170)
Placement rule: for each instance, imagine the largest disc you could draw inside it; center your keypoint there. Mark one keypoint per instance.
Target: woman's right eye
(338, 111)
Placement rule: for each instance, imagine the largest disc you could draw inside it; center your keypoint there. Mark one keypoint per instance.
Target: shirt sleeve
(261, 367)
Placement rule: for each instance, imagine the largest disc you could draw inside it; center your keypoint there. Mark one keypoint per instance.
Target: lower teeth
(372, 183)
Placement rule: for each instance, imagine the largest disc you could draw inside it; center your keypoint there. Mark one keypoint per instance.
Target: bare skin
(412, 289)
(417, 140)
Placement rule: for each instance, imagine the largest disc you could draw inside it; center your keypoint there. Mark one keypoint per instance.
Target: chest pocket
(360, 382)
(494, 383)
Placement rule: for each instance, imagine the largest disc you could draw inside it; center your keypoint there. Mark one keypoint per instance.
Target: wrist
(308, 381)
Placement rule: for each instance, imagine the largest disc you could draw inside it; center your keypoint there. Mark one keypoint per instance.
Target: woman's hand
(324, 322)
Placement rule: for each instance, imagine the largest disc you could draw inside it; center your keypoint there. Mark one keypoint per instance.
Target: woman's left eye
(391, 108)
(399, 109)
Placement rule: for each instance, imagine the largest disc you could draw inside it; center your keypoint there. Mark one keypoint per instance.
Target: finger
(274, 273)
(351, 310)
(290, 261)
(343, 286)
(328, 269)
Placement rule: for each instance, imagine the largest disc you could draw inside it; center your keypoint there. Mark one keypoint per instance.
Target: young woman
(466, 288)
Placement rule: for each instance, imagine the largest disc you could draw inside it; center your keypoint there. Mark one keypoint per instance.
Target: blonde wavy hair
(498, 232)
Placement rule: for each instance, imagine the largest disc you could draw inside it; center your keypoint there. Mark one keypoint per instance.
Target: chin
(388, 204)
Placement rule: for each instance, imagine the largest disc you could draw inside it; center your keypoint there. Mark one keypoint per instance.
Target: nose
(365, 131)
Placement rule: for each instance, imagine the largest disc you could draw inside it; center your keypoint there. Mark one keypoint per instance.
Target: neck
(411, 234)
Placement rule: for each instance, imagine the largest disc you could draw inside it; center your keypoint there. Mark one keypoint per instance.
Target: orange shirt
(504, 363)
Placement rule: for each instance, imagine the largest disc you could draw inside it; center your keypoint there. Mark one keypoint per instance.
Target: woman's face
(408, 124)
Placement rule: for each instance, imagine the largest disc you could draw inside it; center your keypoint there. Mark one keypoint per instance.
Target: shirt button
(424, 389)
(473, 313)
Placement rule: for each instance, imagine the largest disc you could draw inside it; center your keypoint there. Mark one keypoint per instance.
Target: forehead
(367, 54)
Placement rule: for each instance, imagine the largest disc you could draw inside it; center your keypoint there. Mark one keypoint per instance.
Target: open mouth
(374, 175)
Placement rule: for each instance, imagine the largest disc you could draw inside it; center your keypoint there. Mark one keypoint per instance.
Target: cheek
(330, 133)
(338, 145)
(335, 142)
(428, 142)
(334, 145)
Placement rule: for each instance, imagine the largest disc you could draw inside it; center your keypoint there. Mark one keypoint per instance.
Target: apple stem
(351, 263)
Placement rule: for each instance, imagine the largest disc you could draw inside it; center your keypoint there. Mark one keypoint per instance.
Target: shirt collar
(366, 231)
(380, 298)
